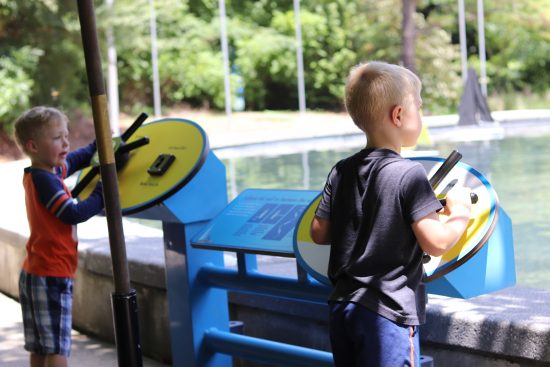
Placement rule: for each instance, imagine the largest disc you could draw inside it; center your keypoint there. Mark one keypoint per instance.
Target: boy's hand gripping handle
(473, 198)
(445, 168)
(94, 171)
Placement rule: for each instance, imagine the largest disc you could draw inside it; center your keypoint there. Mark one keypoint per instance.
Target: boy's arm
(83, 210)
(320, 228)
(436, 237)
(80, 158)
(57, 201)
(320, 231)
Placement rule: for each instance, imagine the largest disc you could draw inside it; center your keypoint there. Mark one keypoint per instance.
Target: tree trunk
(409, 34)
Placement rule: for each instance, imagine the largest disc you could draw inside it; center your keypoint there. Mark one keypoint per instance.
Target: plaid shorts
(46, 303)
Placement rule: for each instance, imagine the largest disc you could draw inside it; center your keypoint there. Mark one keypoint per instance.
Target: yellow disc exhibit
(315, 258)
(483, 217)
(312, 257)
(176, 150)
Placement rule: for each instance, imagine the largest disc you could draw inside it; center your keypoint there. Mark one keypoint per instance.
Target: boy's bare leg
(56, 360)
(38, 360)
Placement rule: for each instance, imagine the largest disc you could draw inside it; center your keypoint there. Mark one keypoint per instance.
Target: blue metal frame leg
(193, 307)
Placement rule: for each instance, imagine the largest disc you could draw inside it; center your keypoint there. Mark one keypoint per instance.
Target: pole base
(125, 317)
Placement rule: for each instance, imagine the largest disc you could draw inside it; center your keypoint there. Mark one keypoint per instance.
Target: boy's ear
(395, 115)
(31, 146)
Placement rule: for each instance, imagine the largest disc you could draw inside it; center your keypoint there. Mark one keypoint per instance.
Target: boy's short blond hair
(373, 88)
(32, 122)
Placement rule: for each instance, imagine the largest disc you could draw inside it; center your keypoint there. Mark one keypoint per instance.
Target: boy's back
(374, 260)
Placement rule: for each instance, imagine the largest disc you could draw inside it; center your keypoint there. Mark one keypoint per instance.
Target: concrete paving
(86, 351)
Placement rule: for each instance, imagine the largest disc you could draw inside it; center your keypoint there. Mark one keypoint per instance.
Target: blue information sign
(258, 221)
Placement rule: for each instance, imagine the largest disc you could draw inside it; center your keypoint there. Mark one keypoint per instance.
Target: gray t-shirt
(371, 200)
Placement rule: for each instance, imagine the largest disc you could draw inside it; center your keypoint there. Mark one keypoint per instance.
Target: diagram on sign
(260, 221)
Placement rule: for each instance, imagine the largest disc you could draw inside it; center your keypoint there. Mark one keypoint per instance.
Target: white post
(225, 54)
(481, 41)
(299, 58)
(154, 59)
(463, 46)
(232, 179)
(305, 168)
(112, 76)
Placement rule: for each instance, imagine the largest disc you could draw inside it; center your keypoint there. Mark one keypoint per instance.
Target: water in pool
(518, 168)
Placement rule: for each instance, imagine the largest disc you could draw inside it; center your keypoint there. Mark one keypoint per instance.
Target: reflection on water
(518, 168)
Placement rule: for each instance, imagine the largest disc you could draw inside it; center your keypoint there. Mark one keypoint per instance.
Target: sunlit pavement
(86, 352)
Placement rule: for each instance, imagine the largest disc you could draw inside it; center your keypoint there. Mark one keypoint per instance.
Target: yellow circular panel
(315, 258)
(483, 217)
(312, 257)
(139, 189)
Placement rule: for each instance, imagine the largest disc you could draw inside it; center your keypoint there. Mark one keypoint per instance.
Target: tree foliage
(17, 84)
(41, 59)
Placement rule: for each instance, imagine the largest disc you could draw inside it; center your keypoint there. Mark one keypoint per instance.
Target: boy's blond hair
(31, 123)
(374, 88)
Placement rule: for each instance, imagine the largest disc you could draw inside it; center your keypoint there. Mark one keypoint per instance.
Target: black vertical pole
(123, 300)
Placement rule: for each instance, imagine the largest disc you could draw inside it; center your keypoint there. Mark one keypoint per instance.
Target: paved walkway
(86, 352)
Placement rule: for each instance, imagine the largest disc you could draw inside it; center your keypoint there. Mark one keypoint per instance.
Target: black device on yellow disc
(121, 150)
(175, 151)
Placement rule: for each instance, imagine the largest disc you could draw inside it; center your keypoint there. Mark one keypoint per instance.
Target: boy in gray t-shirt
(378, 212)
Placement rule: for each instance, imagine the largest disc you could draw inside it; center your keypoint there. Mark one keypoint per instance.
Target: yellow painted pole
(124, 300)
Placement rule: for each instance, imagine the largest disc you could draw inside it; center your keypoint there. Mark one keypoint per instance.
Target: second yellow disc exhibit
(315, 258)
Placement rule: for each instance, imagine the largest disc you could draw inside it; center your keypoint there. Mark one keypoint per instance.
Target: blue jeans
(362, 338)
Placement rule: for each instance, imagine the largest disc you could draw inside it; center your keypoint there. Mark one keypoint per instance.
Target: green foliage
(189, 56)
(520, 53)
(517, 36)
(266, 62)
(41, 56)
(15, 72)
(439, 68)
(42, 60)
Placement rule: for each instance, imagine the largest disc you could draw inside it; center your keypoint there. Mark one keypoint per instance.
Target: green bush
(41, 51)
(16, 71)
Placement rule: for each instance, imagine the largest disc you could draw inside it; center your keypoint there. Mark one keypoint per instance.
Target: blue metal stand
(197, 283)
(246, 279)
(193, 306)
(266, 351)
(490, 269)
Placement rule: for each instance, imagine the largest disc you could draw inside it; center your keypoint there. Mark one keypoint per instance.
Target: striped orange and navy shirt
(53, 214)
